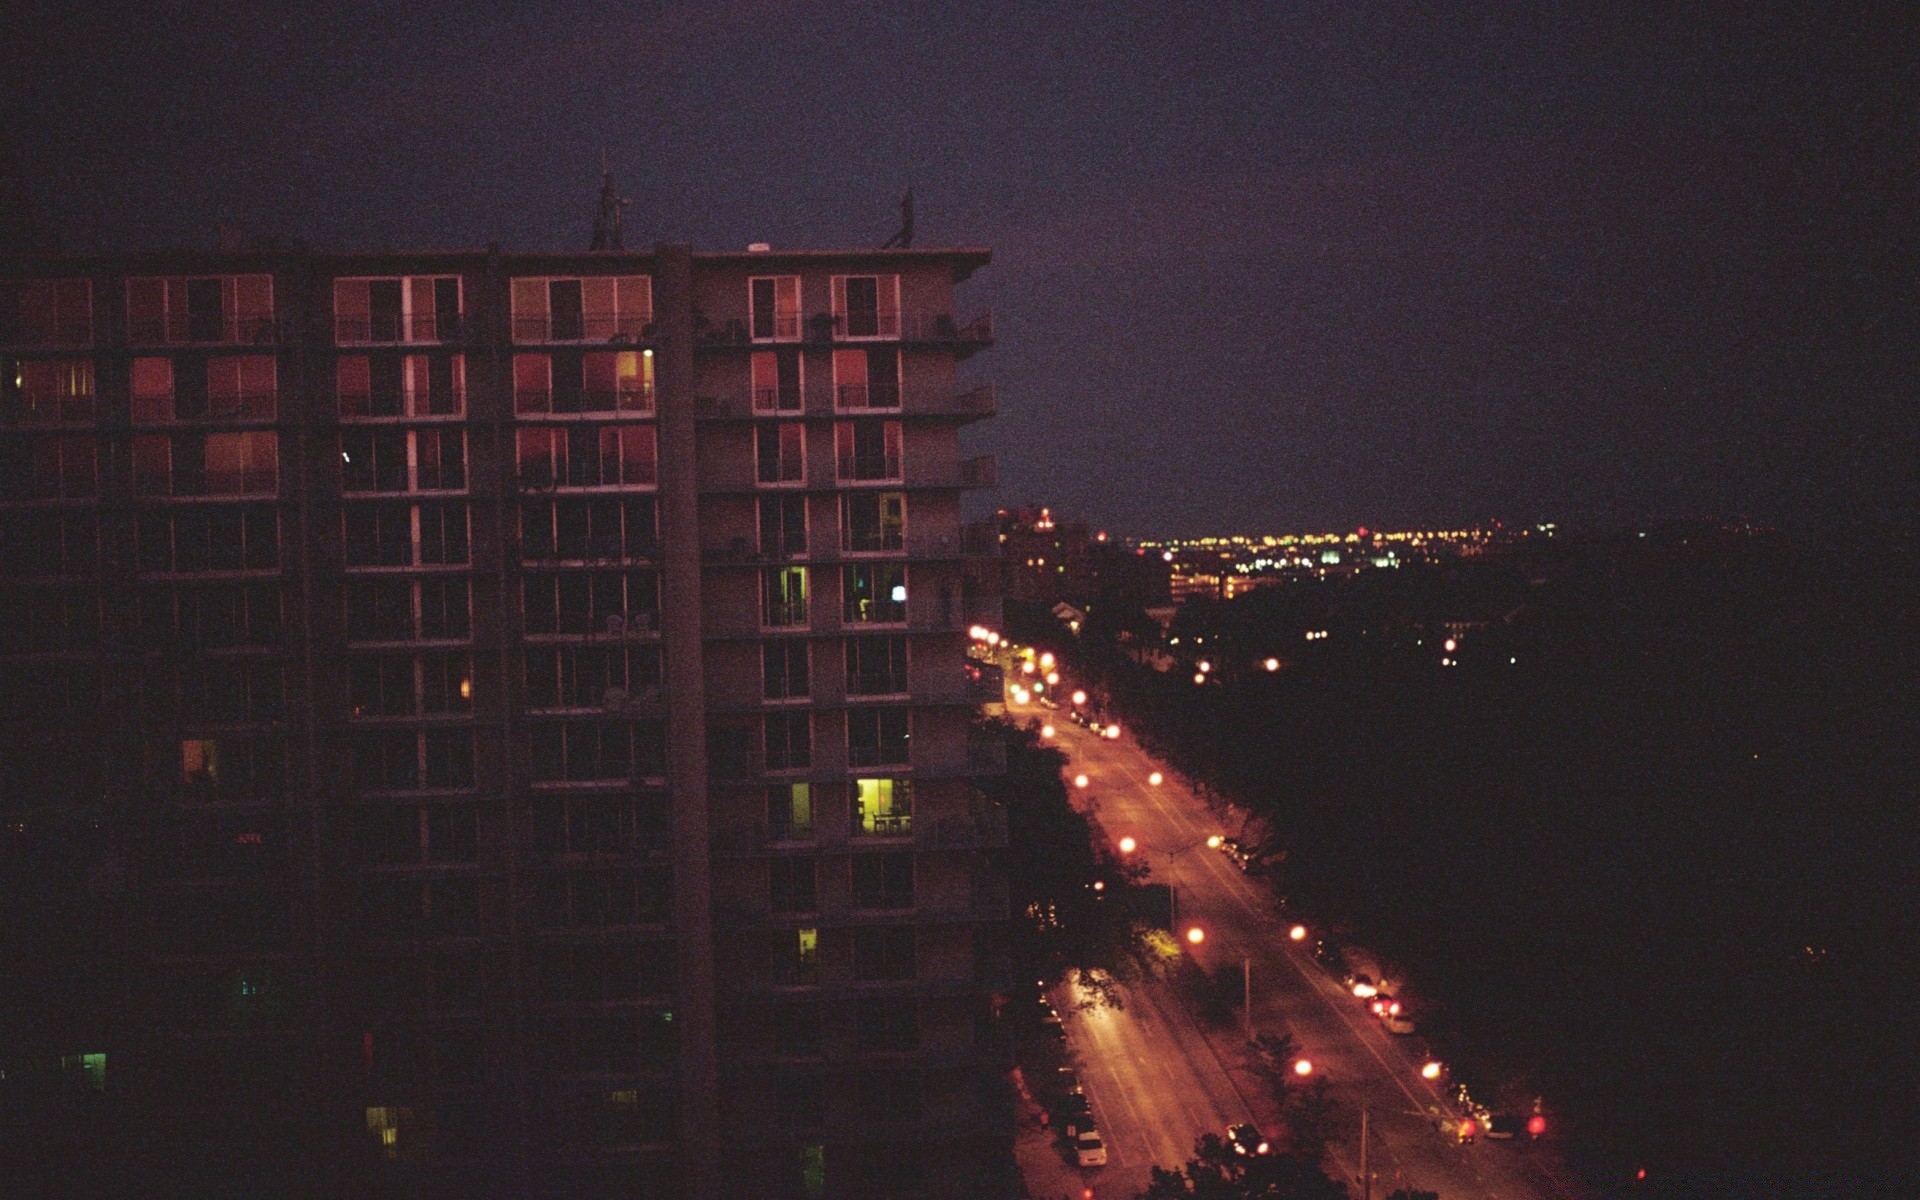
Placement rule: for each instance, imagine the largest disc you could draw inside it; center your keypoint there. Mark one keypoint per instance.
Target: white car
(1089, 1150)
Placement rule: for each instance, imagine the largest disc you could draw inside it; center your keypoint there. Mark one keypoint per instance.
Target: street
(1157, 1080)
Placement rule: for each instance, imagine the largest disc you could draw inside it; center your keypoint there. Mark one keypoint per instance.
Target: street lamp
(1431, 1071)
(1196, 935)
(1156, 779)
(1298, 933)
(1213, 843)
(1079, 698)
(1302, 1067)
(1046, 731)
(1128, 845)
(1080, 781)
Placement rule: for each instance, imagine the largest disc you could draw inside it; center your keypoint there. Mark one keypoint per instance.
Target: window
(775, 301)
(46, 390)
(592, 676)
(405, 759)
(598, 309)
(415, 308)
(590, 602)
(783, 669)
(876, 666)
(783, 526)
(208, 537)
(866, 378)
(214, 690)
(229, 308)
(796, 1027)
(227, 768)
(873, 522)
(789, 740)
(210, 464)
(242, 389)
(586, 456)
(401, 535)
(43, 619)
(49, 545)
(50, 312)
(883, 881)
(887, 1024)
(796, 957)
(791, 885)
(401, 460)
(776, 381)
(582, 528)
(615, 381)
(398, 610)
(789, 811)
(780, 451)
(418, 385)
(209, 616)
(409, 906)
(867, 451)
(883, 807)
(883, 952)
(876, 594)
(783, 598)
(877, 737)
(412, 835)
(409, 685)
(600, 899)
(152, 388)
(583, 750)
(54, 467)
(598, 824)
(866, 306)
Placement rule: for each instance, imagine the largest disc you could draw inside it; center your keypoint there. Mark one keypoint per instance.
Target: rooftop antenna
(606, 221)
(903, 239)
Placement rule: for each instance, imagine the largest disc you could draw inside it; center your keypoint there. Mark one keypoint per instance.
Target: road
(1157, 1081)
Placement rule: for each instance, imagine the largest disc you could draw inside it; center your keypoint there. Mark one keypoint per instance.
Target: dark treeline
(1647, 843)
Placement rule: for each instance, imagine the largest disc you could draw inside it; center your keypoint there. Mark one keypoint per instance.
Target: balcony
(978, 472)
(775, 401)
(783, 614)
(866, 397)
(615, 329)
(544, 402)
(869, 468)
(393, 327)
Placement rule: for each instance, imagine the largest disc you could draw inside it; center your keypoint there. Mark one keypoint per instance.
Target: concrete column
(680, 628)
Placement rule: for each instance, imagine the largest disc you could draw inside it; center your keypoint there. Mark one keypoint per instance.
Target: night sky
(1257, 267)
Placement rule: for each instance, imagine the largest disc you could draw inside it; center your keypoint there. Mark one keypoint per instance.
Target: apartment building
(498, 720)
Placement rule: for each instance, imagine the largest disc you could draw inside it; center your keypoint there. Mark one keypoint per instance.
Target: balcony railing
(773, 326)
(867, 397)
(597, 401)
(613, 328)
(978, 472)
(783, 614)
(870, 468)
(776, 400)
(979, 402)
(393, 327)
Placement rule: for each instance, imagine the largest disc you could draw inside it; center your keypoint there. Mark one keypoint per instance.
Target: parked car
(1504, 1128)
(1246, 1140)
(1089, 1150)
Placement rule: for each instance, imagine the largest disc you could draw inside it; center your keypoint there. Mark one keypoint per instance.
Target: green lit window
(883, 807)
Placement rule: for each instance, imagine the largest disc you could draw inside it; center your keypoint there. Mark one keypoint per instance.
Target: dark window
(796, 1028)
(791, 886)
(568, 316)
(887, 1023)
(784, 669)
(789, 740)
(877, 736)
(883, 880)
(783, 526)
(876, 666)
(883, 952)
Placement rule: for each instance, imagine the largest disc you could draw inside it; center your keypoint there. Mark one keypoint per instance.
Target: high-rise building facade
(500, 718)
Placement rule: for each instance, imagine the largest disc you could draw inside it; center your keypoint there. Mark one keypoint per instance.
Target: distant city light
(1450, 645)
(1272, 664)
(1168, 556)
(1046, 660)
(1198, 678)
(1205, 666)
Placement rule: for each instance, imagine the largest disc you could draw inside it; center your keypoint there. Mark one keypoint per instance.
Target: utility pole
(1366, 1177)
(1246, 996)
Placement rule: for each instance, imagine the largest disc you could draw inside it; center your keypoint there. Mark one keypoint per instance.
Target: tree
(1310, 1116)
(1412, 1194)
(1061, 922)
(1215, 1172)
